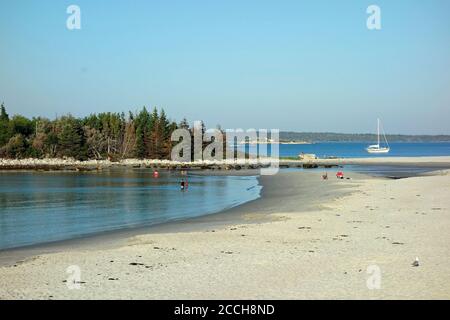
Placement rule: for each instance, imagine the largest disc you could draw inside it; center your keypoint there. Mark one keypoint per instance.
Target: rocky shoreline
(97, 165)
(237, 164)
(52, 164)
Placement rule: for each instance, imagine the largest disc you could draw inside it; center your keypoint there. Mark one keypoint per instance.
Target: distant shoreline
(324, 137)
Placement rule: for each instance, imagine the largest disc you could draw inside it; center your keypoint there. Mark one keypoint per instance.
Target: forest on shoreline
(142, 135)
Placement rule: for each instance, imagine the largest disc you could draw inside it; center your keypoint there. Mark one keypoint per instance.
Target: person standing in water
(182, 185)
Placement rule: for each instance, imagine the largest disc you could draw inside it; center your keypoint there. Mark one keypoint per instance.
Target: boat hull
(377, 151)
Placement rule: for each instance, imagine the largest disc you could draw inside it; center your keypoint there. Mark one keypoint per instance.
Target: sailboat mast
(378, 132)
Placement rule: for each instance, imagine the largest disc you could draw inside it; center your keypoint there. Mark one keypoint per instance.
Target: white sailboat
(377, 148)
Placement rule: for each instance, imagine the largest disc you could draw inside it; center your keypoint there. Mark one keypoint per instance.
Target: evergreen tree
(152, 135)
(140, 144)
(71, 139)
(5, 132)
(164, 125)
(164, 133)
(142, 120)
(184, 124)
(3, 115)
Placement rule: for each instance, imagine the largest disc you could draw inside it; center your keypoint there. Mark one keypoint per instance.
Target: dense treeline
(97, 136)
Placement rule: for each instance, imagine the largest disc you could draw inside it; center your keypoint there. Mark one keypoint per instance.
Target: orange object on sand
(340, 175)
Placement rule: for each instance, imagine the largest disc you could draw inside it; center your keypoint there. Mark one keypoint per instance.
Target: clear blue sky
(294, 65)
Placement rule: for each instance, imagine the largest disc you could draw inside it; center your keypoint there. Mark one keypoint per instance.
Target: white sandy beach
(319, 253)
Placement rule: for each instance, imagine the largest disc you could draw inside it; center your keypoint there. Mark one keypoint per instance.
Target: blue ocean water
(357, 149)
(43, 207)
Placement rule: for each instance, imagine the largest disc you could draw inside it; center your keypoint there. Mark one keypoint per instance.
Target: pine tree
(3, 115)
(5, 132)
(140, 145)
(163, 127)
(142, 121)
(184, 124)
(71, 138)
(152, 136)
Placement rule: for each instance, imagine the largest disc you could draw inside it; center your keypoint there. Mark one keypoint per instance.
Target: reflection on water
(42, 207)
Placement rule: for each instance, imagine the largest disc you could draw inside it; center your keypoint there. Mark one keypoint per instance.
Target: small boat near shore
(377, 148)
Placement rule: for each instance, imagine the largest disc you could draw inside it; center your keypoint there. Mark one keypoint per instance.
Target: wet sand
(436, 162)
(304, 239)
